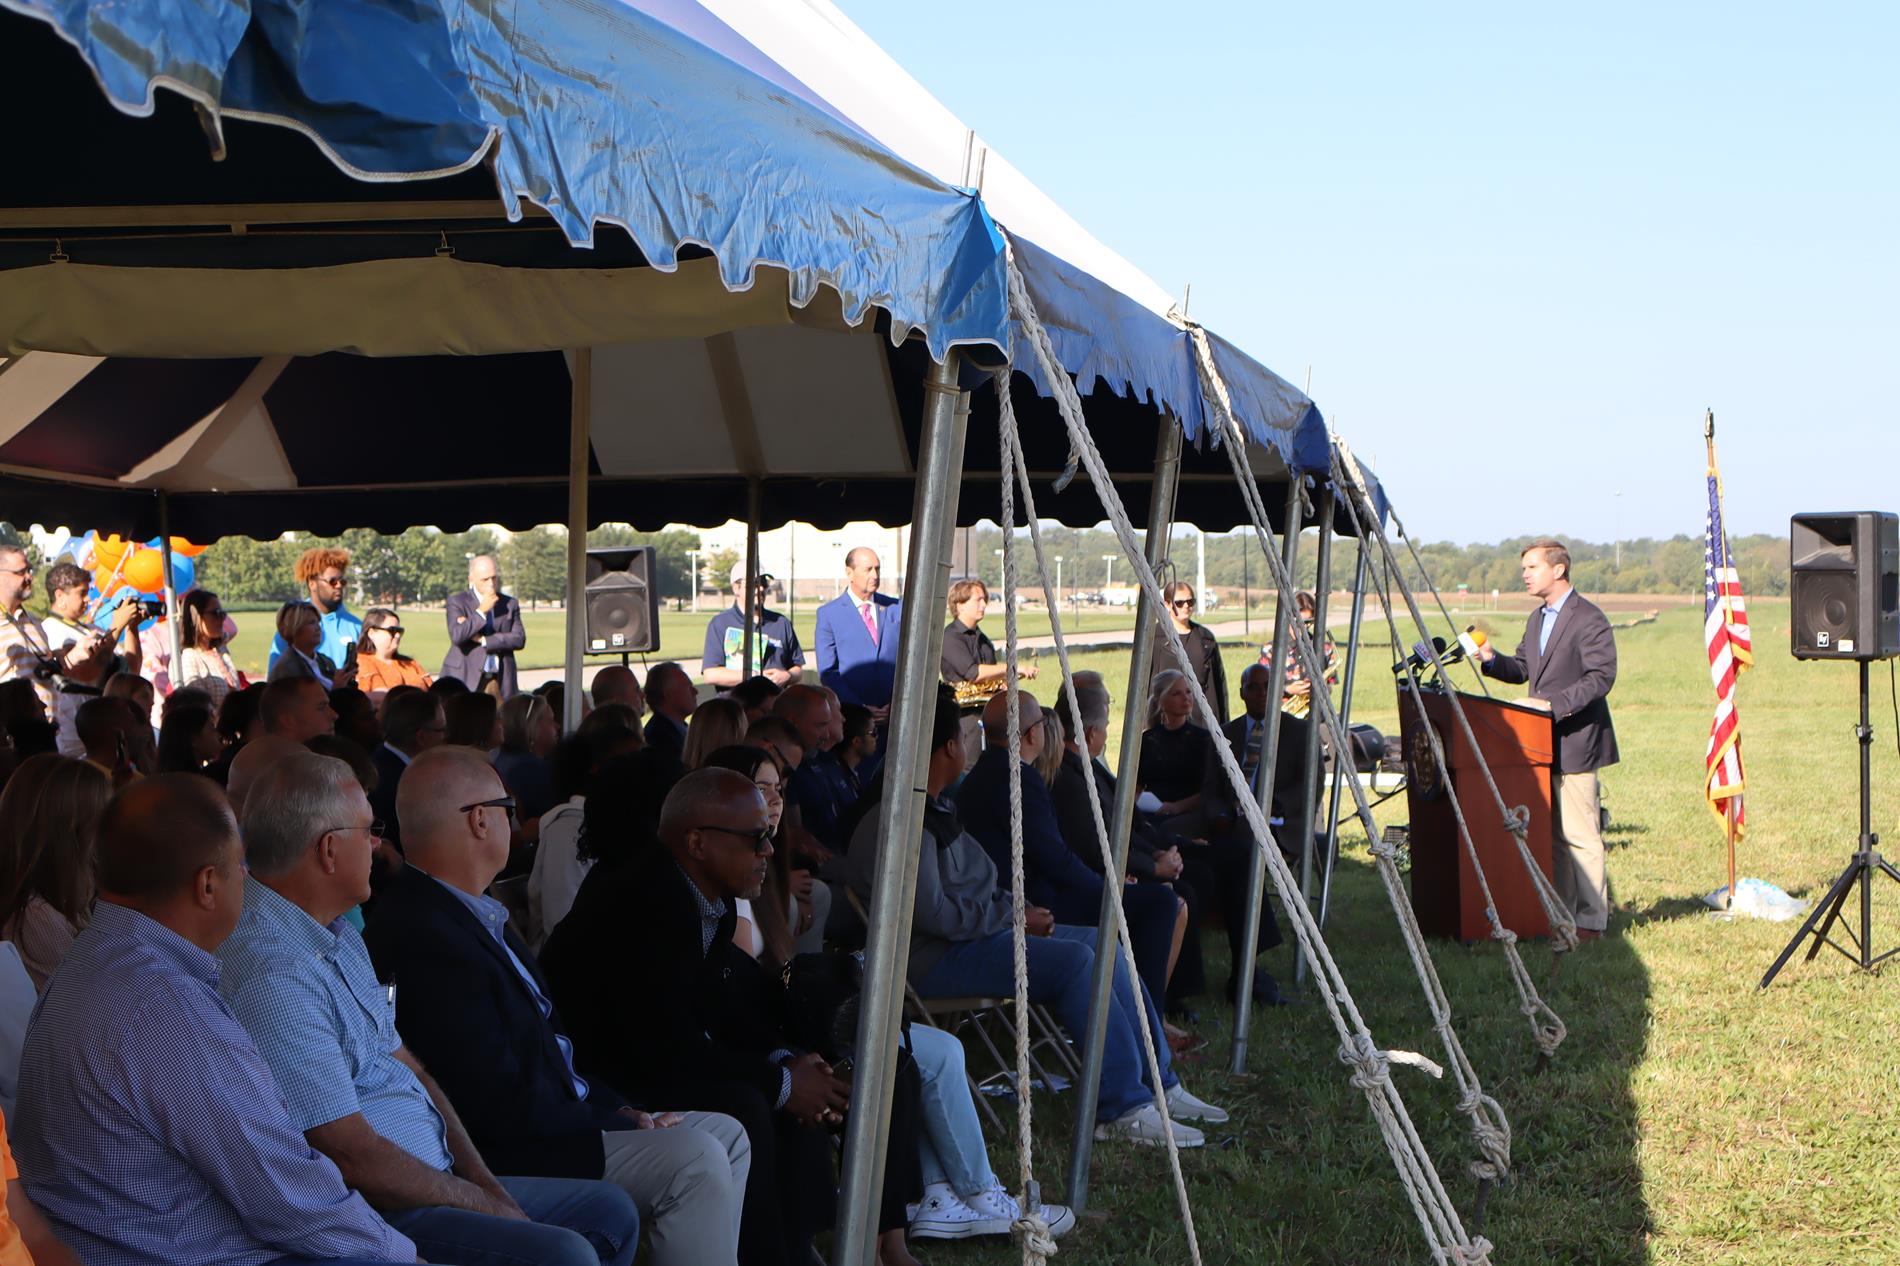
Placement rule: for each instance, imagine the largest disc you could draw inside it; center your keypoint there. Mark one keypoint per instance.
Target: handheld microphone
(1472, 639)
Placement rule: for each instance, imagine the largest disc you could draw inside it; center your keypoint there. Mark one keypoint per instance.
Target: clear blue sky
(1520, 250)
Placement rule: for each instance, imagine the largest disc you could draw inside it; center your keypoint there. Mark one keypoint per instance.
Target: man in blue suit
(857, 637)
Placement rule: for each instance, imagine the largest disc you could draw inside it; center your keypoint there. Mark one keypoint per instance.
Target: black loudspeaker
(623, 602)
(1844, 585)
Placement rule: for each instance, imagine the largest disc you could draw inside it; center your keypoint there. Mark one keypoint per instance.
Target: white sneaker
(943, 1215)
(1144, 1126)
(1183, 1106)
(1000, 1212)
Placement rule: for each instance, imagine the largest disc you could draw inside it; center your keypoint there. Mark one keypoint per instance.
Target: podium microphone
(1421, 657)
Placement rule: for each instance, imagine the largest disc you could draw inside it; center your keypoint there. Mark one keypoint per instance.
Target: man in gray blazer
(484, 631)
(1568, 658)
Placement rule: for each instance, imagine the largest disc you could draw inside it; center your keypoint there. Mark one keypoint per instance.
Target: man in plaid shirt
(25, 653)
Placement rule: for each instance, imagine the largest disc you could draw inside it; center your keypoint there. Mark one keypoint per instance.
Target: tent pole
(581, 367)
(1349, 762)
(1309, 772)
(754, 507)
(173, 636)
(894, 886)
(1122, 814)
(1263, 779)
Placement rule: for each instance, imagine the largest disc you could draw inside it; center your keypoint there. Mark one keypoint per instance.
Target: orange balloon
(106, 553)
(144, 570)
(186, 549)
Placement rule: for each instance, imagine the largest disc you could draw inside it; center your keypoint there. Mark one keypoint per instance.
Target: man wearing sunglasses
(299, 979)
(324, 573)
(473, 1005)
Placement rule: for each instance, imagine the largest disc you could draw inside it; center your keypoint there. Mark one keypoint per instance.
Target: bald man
(616, 684)
(142, 1097)
(857, 636)
(473, 1006)
(644, 963)
(484, 631)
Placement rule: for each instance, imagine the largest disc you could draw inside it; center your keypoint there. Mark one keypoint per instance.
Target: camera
(148, 608)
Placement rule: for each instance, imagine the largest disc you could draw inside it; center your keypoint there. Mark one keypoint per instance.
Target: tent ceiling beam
(49, 219)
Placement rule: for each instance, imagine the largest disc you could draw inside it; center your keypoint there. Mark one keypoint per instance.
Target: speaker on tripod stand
(1844, 603)
(623, 603)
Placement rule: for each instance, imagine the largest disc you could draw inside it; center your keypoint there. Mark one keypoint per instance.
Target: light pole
(1619, 533)
(999, 569)
(1108, 574)
(692, 560)
(1058, 582)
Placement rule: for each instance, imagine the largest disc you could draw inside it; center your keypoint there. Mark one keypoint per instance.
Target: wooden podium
(1517, 743)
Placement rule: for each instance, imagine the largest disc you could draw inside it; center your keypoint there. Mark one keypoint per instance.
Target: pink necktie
(869, 612)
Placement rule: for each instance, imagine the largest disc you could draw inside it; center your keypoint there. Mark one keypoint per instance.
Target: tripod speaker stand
(1859, 873)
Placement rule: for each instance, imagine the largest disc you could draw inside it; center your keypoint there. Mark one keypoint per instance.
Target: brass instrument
(972, 695)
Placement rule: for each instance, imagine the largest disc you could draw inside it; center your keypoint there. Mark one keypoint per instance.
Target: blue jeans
(1060, 968)
(572, 1222)
(952, 1138)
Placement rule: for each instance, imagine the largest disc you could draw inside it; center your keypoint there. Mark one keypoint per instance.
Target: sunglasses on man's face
(1181, 603)
(760, 840)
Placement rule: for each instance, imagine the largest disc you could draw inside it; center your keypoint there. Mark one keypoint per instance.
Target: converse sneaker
(1000, 1212)
(943, 1215)
(1144, 1126)
(1183, 1106)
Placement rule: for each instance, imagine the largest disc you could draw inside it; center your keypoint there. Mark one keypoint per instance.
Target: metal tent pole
(1122, 813)
(894, 887)
(1351, 765)
(1309, 771)
(173, 634)
(754, 508)
(1263, 783)
(580, 417)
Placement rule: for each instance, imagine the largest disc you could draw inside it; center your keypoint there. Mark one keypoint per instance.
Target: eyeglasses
(760, 839)
(214, 613)
(332, 581)
(499, 802)
(394, 630)
(17, 571)
(1183, 602)
(375, 829)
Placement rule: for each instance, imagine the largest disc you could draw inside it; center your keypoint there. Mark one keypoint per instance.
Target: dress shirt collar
(490, 913)
(710, 912)
(1553, 608)
(862, 603)
(398, 753)
(287, 921)
(111, 919)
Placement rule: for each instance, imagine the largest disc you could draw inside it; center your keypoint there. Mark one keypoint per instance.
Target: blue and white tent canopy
(760, 280)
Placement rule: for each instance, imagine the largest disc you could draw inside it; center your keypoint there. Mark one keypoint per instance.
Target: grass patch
(1687, 1118)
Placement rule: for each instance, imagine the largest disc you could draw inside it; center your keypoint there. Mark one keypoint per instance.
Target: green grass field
(1687, 1118)
(682, 633)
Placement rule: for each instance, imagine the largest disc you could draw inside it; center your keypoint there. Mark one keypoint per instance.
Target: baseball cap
(738, 574)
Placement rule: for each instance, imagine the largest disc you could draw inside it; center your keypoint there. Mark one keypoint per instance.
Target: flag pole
(1728, 810)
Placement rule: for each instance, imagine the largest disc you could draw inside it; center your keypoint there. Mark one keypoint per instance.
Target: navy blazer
(382, 802)
(466, 655)
(467, 1015)
(1574, 673)
(847, 662)
(1053, 876)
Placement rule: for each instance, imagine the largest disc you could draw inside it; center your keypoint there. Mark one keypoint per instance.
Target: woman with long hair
(1202, 647)
(1174, 755)
(718, 722)
(204, 661)
(380, 663)
(188, 739)
(52, 813)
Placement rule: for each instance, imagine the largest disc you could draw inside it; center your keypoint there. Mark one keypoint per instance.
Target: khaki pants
(688, 1182)
(1576, 849)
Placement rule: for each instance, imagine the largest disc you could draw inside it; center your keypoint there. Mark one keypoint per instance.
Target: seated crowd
(359, 965)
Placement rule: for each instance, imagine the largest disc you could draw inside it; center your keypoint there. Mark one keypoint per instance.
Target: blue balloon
(184, 574)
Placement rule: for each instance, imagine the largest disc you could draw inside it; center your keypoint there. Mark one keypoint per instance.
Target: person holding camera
(67, 586)
(26, 650)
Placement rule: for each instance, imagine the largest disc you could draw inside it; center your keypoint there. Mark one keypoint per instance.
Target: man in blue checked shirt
(149, 1128)
(298, 977)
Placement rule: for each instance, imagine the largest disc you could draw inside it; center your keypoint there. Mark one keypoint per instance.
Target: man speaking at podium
(1568, 657)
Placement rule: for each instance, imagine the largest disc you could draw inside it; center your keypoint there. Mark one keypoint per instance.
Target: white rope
(1438, 1218)
(1547, 1027)
(1013, 460)
(1490, 1128)
(1563, 926)
(1030, 1229)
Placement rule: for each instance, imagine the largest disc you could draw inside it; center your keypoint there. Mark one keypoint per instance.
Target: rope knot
(1371, 1069)
(1518, 820)
(1032, 1233)
(1476, 1253)
(1501, 933)
(1383, 849)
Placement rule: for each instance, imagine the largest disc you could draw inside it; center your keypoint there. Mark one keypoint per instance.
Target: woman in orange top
(382, 665)
(26, 1239)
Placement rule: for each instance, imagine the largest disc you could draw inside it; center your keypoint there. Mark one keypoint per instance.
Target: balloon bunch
(129, 569)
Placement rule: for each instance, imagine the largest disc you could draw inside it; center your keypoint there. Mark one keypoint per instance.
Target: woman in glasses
(204, 662)
(1203, 661)
(380, 663)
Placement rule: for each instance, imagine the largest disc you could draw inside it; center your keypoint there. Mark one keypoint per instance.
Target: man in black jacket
(473, 1006)
(1568, 658)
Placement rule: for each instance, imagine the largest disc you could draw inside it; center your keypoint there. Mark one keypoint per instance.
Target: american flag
(1725, 631)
